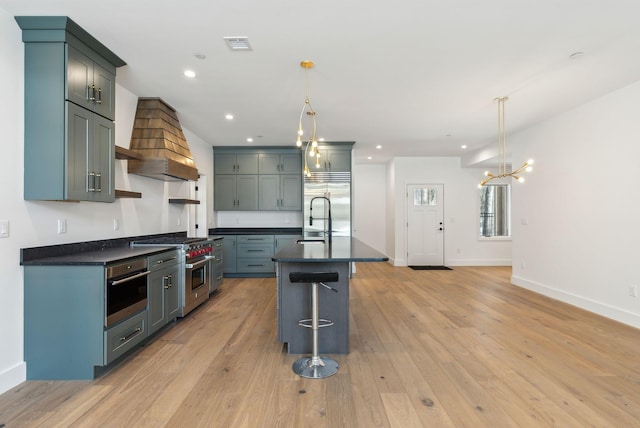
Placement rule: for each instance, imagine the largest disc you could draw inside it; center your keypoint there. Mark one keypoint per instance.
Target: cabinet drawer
(124, 336)
(255, 250)
(255, 264)
(161, 260)
(218, 257)
(255, 239)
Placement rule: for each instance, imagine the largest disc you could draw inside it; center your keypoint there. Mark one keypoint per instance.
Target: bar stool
(315, 366)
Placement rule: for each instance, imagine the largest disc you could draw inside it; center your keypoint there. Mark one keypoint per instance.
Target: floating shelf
(126, 154)
(184, 201)
(127, 194)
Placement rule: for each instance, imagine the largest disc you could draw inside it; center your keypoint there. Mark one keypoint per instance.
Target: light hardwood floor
(460, 348)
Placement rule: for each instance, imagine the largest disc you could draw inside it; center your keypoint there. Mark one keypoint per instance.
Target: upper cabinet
(90, 85)
(333, 160)
(236, 163)
(69, 111)
(264, 179)
(280, 163)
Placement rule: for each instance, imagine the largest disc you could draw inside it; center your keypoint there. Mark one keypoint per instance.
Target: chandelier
(309, 144)
(502, 151)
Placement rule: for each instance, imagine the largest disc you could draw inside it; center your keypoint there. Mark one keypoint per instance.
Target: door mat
(430, 268)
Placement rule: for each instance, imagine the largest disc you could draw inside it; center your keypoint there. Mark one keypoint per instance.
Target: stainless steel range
(197, 262)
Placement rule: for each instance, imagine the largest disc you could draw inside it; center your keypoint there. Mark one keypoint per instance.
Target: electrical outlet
(633, 290)
(62, 225)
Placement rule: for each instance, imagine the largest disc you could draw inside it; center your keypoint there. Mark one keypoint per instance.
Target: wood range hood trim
(157, 136)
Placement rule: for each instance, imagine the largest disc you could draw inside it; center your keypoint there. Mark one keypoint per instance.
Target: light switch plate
(62, 225)
(4, 228)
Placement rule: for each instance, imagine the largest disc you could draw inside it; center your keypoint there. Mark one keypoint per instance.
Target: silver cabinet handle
(166, 260)
(129, 278)
(130, 335)
(92, 182)
(99, 100)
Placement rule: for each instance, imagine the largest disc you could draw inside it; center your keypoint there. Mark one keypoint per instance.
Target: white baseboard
(478, 262)
(13, 376)
(607, 311)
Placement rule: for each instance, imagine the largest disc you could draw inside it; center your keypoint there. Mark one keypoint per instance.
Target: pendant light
(309, 144)
(502, 151)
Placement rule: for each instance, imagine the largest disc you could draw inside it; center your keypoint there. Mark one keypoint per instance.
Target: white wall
(582, 207)
(461, 244)
(35, 223)
(370, 205)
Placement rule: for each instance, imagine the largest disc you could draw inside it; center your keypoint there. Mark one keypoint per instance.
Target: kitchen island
(294, 299)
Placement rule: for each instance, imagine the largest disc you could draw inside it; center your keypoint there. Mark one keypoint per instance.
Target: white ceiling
(415, 76)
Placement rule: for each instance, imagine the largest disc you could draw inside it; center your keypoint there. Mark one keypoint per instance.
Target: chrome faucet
(328, 232)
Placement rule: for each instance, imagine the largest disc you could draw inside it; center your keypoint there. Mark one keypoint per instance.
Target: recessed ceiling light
(378, 146)
(238, 43)
(228, 116)
(320, 139)
(190, 73)
(369, 157)
(249, 140)
(464, 146)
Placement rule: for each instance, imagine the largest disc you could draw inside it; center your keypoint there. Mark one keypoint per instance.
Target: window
(425, 197)
(495, 211)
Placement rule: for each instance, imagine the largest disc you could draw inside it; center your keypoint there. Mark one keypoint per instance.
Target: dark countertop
(256, 231)
(341, 249)
(98, 257)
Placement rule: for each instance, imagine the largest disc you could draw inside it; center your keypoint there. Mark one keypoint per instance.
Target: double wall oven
(197, 261)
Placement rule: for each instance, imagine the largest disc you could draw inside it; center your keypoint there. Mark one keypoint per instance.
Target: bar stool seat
(315, 366)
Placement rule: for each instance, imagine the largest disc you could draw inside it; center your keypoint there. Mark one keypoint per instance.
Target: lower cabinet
(250, 255)
(65, 337)
(217, 268)
(254, 253)
(124, 336)
(163, 299)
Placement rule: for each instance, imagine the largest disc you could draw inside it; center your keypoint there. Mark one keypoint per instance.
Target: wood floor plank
(452, 348)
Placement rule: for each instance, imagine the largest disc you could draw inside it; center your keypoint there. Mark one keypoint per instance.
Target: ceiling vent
(238, 43)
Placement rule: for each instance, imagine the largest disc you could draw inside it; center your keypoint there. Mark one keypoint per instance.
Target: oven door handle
(129, 278)
(201, 262)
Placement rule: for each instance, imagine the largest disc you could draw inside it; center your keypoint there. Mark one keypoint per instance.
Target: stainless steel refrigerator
(339, 193)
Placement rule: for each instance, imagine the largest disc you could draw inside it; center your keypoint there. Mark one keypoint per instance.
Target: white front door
(425, 225)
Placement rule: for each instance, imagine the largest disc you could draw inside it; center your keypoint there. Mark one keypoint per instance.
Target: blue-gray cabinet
(236, 163)
(333, 159)
(280, 192)
(64, 323)
(163, 299)
(69, 111)
(235, 192)
(280, 163)
(229, 254)
(217, 267)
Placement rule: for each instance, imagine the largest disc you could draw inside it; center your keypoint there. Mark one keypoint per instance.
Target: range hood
(157, 136)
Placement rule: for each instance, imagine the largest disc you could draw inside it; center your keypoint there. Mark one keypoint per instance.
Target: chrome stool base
(320, 368)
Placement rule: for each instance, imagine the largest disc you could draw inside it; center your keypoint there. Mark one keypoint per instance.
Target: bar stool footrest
(321, 323)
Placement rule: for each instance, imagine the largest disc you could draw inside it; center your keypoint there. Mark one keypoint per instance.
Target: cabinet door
(224, 197)
(79, 78)
(247, 192)
(270, 199)
(291, 192)
(291, 163)
(247, 163)
(224, 163)
(338, 161)
(105, 92)
(269, 163)
(157, 315)
(80, 124)
(229, 254)
(102, 153)
(283, 241)
(172, 292)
